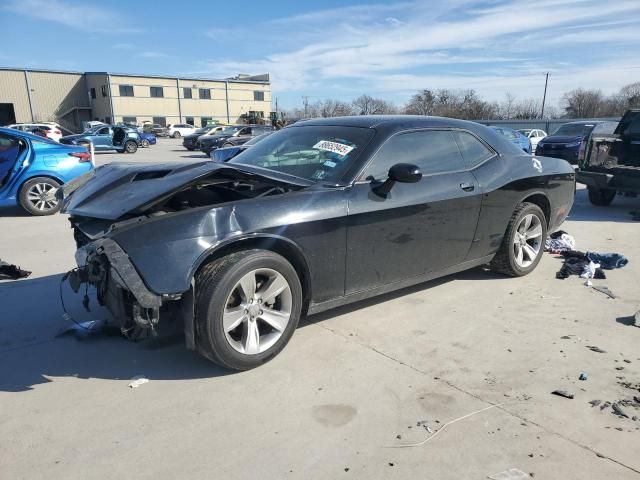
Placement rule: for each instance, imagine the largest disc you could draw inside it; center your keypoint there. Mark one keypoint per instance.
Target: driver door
(419, 227)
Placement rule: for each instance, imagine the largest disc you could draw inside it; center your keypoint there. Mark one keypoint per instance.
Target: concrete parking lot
(353, 385)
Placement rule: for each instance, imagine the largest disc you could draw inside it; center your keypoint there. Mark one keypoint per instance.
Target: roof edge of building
(262, 79)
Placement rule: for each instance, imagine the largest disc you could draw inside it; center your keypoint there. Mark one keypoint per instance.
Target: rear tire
(35, 194)
(176, 135)
(232, 329)
(601, 197)
(191, 149)
(130, 147)
(523, 242)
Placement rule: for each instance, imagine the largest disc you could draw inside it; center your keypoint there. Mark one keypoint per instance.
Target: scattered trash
(563, 393)
(595, 403)
(619, 368)
(596, 349)
(589, 271)
(446, 425)
(12, 272)
(605, 290)
(559, 241)
(511, 474)
(617, 409)
(429, 429)
(608, 261)
(588, 283)
(88, 328)
(636, 319)
(605, 405)
(137, 381)
(583, 376)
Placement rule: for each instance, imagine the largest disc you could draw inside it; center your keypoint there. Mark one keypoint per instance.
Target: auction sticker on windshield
(335, 147)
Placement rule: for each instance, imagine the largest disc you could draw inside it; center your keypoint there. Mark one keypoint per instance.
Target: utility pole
(305, 99)
(544, 97)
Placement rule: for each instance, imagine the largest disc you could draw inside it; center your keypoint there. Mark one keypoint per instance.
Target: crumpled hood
(114, 190)
(561, 139)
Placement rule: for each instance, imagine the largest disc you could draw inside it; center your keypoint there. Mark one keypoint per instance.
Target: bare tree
(367, 105)
(422, 103)
(335, 108)
(581, 103)
(631, 95)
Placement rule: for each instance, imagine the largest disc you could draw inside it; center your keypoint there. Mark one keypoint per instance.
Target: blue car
(225, 154)
(565, 142)
(147, 139)
(107, 137)
(515, 137)
(32, 168)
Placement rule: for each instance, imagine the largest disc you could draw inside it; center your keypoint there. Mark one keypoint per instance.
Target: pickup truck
(611, 162)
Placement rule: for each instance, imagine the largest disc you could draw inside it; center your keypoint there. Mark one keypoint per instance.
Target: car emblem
(537, 164)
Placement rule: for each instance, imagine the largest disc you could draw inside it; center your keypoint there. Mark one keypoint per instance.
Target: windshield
(574, 129)
(314, 152)
(510, 134)
(203, 130)
(227, 131)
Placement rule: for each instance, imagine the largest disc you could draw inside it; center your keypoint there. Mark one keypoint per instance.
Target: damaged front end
(105, 266)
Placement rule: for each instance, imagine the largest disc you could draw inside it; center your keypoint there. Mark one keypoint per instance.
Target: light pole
(544, 97)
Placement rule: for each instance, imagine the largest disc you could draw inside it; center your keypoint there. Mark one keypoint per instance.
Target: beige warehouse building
(71, 98)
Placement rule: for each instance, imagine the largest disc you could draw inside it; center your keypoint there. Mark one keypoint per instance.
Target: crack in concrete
(477, 397)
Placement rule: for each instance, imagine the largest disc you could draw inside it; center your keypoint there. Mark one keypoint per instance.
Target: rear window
(606, 128)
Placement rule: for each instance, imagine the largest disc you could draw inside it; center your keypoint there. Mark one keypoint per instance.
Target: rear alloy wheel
(601, 197)
(176, 135)
(131, 147)
(227, 145)
(38, 196)
(523, 242)
(144, 143)
(247, 307)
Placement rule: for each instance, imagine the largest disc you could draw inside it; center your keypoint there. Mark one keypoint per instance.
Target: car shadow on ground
(195, 155)
(13, 212)
(36, 345)
(620, 209)
(479, 273)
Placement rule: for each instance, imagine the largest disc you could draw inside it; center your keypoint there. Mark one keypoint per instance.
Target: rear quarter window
(473, 151)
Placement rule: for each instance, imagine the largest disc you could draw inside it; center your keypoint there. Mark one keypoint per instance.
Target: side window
(433, 151)
(473, 150)
(103, 131)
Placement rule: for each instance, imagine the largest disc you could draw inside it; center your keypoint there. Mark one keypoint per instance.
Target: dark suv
(565, 142)
(231, 136)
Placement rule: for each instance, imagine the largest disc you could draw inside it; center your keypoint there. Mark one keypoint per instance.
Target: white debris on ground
(137, 381)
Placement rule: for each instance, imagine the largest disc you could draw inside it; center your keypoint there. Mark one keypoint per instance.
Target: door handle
(467, 187)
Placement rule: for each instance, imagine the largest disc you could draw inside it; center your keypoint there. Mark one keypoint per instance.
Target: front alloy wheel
(257, 311)
(248, 304)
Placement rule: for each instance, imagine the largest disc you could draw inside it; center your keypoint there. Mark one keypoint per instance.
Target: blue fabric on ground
(608, 261)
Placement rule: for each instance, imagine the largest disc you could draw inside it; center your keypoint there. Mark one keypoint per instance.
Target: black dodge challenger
(317, 215)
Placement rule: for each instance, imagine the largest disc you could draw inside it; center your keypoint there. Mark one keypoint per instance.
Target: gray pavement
(351, 381)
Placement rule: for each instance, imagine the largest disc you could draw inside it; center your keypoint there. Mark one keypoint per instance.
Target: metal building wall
(13, 89)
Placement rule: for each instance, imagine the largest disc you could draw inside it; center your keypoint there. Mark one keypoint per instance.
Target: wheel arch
(43, 175)
(541, 200)
(282, 246)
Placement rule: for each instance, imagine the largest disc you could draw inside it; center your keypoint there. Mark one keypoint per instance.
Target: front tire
(523, 242)
(130, 147)
(37, 196)
(191, 149)
(176, 135)
(227, 145)
(144, 143)
(247, 307)
(601, 197)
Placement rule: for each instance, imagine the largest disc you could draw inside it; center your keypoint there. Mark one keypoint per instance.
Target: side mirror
(400, 172)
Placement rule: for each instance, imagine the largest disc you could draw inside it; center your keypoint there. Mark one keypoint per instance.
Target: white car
(181, 129)
(535, 135)
(52, 129)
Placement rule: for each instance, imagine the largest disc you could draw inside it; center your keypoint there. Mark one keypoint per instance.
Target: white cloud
(151, 54)
(79, 16)
(398, 48)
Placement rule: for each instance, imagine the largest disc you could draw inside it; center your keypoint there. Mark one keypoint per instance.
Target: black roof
(388, 121)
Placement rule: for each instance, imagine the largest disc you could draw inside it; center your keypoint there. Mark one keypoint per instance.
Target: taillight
(83, 156)
(582, 150)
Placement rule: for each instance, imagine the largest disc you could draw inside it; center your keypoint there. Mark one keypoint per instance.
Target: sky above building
(339, 49)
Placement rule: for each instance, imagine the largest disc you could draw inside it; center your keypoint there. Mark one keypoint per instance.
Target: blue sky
(339, 49)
